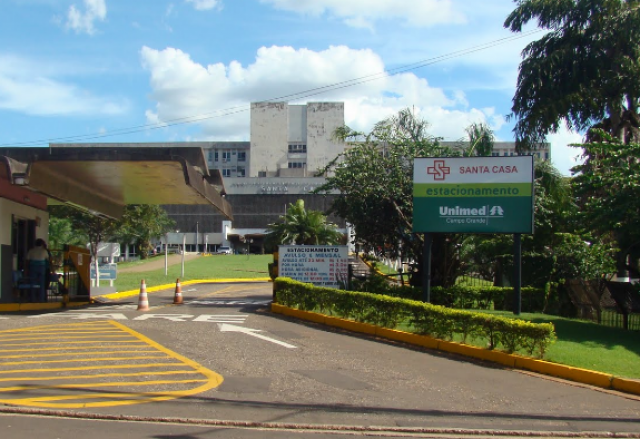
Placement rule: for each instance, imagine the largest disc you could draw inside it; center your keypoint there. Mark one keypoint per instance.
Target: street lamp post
(166, 254)
(196, 237)
(184, 243)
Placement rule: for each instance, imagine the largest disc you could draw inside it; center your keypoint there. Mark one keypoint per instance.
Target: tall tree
(584, 70)
(300, 226)
(94, 227)
(374, 181)
(62, 231)
(481, 140)
(607, 187)
(560, 248)
(141, 224)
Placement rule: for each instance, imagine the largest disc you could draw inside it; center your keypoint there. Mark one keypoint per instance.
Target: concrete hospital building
(261, 177)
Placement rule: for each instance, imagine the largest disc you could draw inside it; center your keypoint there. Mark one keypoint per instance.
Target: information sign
(321, 265)
(107, 271)
(473, 195)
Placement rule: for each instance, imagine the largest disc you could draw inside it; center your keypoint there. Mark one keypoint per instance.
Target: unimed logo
(439, 170)
(470, 215)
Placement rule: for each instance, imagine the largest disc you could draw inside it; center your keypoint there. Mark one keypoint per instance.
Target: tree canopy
(585, 70)
(139, 225)
(300, 226)
(607, 187)
(374, 181)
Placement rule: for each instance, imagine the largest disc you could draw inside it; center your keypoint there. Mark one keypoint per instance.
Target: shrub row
(437, 321)
(462, 296)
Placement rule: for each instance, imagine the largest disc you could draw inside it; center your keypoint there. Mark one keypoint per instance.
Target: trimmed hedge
(437, 321)
(462, 296)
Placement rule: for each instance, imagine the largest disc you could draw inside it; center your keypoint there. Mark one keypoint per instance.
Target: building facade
(276, 167)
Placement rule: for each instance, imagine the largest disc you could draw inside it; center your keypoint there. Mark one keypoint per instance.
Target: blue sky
(135, 71)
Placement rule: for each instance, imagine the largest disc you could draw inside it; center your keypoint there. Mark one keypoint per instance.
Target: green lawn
(590, 346)
(204, 267)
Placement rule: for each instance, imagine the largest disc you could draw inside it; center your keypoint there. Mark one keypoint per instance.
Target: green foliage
(141, 224)
(61, 232)
(425, 318)
(559, 249)
(83, 223)
(374, 182)
(583, 71)
(302, 227)
(607, 186)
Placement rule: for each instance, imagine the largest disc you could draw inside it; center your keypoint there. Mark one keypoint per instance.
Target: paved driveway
(297, 375)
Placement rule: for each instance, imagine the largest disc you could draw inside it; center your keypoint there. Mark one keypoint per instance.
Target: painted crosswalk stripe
(94, 356)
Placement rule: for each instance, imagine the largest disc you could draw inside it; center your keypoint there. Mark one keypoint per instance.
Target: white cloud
(183, 88)
(203, 5)
(563, 156)
(25, 88)
(81, 21)
(357, 12)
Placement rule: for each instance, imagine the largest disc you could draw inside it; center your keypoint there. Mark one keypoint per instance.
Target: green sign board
(473, 195)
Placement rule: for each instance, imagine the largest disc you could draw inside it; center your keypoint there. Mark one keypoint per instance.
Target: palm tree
(481, 140)
(302, 227)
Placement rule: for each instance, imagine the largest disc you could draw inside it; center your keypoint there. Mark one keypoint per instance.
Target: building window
(546, 156)
(226, 172)
(241, 172)
(215, 159)
(262, 173)
(298, 148)
(242, 156)
(226, 156)
(296, 165)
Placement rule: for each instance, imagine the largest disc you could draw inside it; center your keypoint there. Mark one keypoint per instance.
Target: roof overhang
(105, 179)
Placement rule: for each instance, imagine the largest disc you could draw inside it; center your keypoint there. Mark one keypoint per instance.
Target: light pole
(196, 237)
(166, 254)
(184, 243)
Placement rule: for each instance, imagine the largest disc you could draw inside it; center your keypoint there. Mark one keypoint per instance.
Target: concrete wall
(8, 209)
(322, 120)
(297, 123)
(269, 133)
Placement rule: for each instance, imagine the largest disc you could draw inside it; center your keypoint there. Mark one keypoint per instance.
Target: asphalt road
(224, 366)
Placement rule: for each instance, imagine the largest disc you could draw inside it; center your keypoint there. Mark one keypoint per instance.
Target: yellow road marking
(84, 385)
(57, 349)
(71, 353)
(146, 357)
(56, 337)
(65, 332)
(105, 344)
(100, 375)
(69, 342)
(115, 366)
(42, 328)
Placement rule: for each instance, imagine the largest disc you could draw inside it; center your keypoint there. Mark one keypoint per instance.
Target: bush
(435, 320)
(461, 296)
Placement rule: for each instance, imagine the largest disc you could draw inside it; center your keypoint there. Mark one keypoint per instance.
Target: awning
(105, 179)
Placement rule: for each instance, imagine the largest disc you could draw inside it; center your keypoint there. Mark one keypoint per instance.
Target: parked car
(223, 250)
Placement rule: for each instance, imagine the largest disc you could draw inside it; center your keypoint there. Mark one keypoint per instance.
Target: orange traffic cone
(143, 301)
(177, 299)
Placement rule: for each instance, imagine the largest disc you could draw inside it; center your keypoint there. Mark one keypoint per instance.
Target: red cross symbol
(438, 170)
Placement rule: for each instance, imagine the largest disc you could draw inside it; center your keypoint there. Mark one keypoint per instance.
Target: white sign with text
(321, 265)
